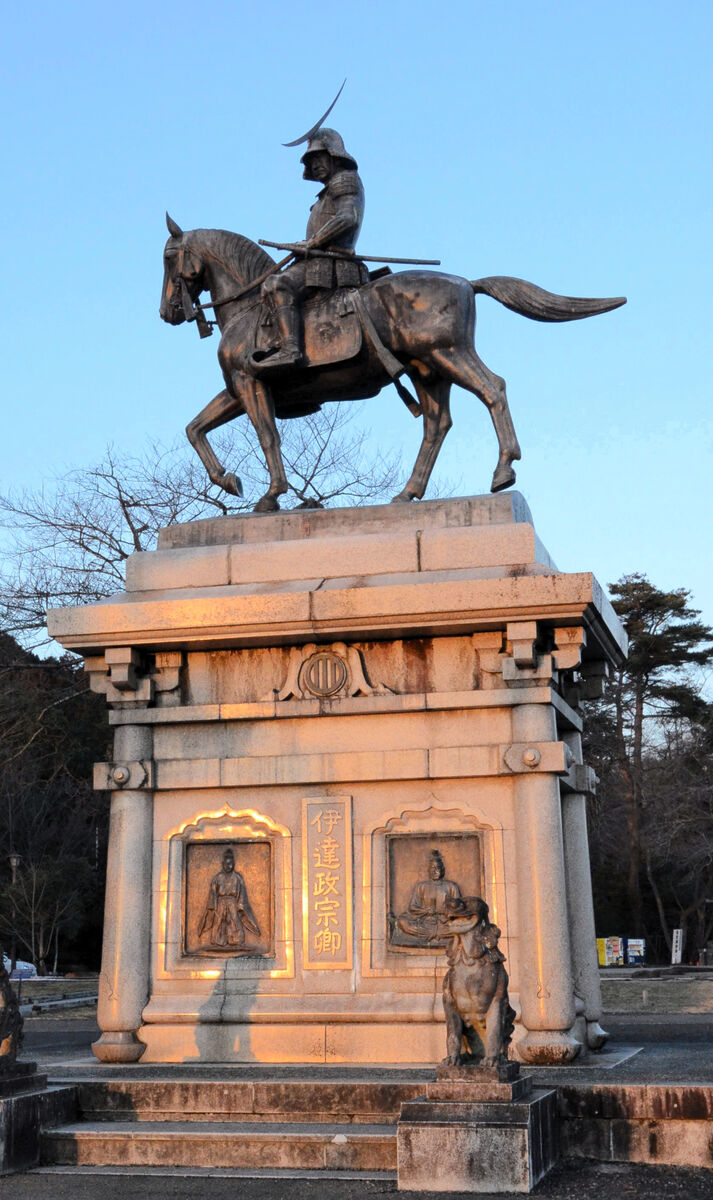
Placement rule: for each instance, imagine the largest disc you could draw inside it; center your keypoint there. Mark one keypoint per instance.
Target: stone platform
(338, 1119)
(336, 700)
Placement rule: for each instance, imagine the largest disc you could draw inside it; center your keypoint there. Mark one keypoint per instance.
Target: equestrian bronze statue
(318, 326)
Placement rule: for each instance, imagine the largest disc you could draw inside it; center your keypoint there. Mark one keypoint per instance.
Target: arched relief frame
(226, 825)
(378, 959)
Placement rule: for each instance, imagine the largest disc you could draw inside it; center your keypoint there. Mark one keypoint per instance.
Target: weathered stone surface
(474, 1084)
(23, 1115)
(671, 1124)
(473, 1093)
(479, 1147)
(379, 519)
(169, 1144)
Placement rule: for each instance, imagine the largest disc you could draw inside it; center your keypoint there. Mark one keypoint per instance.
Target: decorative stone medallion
(324, 674)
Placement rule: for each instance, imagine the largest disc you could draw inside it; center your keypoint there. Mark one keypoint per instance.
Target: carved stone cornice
(130, 677)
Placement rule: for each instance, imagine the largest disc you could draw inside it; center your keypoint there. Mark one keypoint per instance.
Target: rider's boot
(289, 352)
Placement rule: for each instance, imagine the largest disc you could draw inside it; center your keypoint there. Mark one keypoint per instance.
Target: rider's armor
(334, 222)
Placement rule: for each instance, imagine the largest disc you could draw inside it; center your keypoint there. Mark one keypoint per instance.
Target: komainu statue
(479, 1019)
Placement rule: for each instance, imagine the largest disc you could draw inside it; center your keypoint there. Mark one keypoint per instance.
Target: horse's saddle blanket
(332, 329)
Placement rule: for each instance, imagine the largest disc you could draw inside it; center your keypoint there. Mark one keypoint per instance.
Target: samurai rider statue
(334, 223)
(358, 333)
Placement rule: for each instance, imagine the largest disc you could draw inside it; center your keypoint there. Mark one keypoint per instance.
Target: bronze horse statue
(419, 322)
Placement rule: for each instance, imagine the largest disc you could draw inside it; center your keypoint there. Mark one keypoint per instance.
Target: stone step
(324, 1101)
(275, 1173)
(289, 1146)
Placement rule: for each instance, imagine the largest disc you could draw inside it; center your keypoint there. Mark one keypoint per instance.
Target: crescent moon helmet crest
(311, 132)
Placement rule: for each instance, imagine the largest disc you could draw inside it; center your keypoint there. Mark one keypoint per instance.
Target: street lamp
(15, 860)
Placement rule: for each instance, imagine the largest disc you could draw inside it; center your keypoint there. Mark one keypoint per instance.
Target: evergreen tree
(653, 703)
(52, 728)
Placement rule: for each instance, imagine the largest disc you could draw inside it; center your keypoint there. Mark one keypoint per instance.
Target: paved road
(59, 1034)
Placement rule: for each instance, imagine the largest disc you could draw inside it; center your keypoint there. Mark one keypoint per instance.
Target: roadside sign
(635, 951)
(676, 946)
(614, 948)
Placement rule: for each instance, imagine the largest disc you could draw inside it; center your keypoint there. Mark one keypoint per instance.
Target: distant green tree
(52, 728)
(654, 704)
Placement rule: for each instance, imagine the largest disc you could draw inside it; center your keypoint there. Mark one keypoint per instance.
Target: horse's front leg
(221, 409)
(261, 412)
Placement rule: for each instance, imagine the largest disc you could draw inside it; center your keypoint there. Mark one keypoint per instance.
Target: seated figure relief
(228, 915)
(424, 923)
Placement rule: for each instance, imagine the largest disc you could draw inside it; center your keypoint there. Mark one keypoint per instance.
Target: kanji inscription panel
(327, 883)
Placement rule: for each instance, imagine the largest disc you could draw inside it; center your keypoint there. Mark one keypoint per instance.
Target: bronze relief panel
(228, 898)
(424, 872)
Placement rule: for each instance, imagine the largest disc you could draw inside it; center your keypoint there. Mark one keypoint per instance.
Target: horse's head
(183, 271)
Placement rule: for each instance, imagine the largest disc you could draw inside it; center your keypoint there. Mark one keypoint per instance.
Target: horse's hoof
(267, 504)
(403, 498)
(504, 477)
(309, 502)
(231, 483)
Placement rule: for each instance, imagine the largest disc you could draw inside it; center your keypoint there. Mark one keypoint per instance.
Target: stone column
(546, 990)
(581, 909)
(124, 979)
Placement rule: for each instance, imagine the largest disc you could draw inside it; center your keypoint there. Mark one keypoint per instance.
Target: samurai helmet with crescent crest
(331, 142)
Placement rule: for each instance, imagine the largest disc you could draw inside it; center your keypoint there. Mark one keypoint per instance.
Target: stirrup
(288, 355)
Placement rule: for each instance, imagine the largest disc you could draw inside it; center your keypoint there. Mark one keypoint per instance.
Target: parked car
(23, 970)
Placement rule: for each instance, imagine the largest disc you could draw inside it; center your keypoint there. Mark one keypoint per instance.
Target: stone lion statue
(479, 1019)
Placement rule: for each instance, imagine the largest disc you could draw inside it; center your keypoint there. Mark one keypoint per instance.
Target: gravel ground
(569, 1181)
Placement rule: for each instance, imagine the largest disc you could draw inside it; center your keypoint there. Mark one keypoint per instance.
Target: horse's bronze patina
(419, 321)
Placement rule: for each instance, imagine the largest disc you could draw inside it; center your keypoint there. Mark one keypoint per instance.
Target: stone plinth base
(306, 1042)
(312, 711)
(477, 1131)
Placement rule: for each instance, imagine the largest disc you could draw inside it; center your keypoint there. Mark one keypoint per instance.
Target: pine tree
(656, 689)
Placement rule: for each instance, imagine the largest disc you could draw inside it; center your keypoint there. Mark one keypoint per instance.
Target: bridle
(193, 311)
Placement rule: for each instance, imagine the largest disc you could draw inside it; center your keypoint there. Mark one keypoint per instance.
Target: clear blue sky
(565, 143)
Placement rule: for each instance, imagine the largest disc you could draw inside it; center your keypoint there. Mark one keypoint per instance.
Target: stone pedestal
(26, 1106)
(477, 1130)
(327, 722)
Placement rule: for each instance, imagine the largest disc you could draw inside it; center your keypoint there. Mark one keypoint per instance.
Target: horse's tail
(532, 301)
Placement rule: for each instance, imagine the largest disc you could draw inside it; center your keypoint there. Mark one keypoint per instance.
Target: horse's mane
(244, 259)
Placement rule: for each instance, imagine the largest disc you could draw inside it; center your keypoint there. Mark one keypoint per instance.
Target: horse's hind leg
(221, 409)
(436, 423)
(464, 367)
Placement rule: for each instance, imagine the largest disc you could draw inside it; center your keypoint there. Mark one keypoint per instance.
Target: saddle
(332, 329)
(335, 326)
